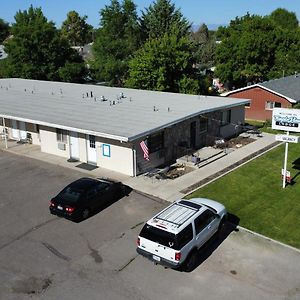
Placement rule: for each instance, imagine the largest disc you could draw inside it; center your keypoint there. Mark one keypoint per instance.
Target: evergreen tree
(160, 18)
(76, 30)
(164, 64)
(116, 41)
(205, 44)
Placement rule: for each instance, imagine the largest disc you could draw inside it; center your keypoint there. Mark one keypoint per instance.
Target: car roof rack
(176, 214)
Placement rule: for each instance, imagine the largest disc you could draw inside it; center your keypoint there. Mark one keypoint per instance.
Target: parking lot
(46, 257)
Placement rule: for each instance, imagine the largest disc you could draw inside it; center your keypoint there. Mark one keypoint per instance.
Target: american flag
(145, 149)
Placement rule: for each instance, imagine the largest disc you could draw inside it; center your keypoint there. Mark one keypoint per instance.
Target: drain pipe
(134, 163)
(4, 131)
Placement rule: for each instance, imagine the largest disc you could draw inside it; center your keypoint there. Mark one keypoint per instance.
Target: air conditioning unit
(61, 146)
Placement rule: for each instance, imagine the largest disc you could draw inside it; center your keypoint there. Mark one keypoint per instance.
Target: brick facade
(259, 97)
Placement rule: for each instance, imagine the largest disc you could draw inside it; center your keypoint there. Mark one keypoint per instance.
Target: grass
(255, 195)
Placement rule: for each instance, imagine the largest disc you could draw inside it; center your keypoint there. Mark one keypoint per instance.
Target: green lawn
(255, 195)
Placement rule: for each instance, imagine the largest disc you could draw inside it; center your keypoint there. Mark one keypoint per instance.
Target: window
(184, 236)
(225, 117)
(156, 142)
(203, 220)
(203, 124)
(272, 104)
(61, 136)
(162, 237)
(92, 141)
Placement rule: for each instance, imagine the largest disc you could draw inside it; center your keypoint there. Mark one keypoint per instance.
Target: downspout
(5, 137)
(134, 163)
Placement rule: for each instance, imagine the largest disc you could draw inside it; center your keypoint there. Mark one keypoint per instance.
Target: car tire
(191, 261)
(221, 227)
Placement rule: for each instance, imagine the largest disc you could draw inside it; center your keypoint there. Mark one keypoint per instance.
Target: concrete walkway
(167, 189)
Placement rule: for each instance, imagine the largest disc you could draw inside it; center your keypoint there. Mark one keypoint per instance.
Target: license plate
(59, 207)
(157, 258)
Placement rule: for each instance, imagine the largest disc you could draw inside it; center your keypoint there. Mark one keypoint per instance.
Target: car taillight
(70, 209)
(138, 241)
(52, 204)
(177, 256)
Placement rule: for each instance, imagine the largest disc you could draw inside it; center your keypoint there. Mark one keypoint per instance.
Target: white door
(74, 145)
(23, 133)
(14, 130)
(91, 150)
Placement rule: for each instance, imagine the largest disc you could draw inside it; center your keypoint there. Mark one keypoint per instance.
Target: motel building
(106, 126)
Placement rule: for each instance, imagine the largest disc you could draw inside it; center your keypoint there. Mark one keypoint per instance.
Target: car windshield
(70, 194)
(159, 236)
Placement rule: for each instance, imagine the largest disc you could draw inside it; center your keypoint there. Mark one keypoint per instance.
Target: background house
(104, 126)
(283, 92)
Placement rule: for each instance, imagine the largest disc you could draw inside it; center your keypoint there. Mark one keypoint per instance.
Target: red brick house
(283, 92)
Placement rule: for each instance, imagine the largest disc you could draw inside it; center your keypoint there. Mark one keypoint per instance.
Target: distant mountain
(209, 26)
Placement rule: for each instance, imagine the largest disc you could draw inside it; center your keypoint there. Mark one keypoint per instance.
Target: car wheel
(221, 227)
(191, 261)
(85, 213)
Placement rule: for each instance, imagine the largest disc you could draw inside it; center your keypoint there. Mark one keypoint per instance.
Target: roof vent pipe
(87, 95)
(91, 94)
(296, 74)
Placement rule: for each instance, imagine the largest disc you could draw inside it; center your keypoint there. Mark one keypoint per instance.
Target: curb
(269, 239)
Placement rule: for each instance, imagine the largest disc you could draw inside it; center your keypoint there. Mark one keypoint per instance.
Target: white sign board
(286, 119)
(287, 173)
(287, 138)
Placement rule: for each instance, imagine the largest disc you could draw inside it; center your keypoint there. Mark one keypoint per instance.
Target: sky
(213, 12)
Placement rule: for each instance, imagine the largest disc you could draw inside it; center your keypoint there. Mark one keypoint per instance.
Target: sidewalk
(167, 189)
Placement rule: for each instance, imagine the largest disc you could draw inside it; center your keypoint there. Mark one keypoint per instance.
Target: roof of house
(286, 87)
(115, 113)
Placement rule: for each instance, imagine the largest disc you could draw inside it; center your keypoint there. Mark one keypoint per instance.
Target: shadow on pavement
(209, 247)
(126, 190)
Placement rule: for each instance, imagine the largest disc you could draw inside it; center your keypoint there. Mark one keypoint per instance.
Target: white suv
(173, 236)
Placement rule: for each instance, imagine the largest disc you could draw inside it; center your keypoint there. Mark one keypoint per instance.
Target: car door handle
(209, 226)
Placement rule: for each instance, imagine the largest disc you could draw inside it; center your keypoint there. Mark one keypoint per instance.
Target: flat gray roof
(70, 106)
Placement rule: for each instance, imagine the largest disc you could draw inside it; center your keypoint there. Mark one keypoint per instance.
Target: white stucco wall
(120, 159)
(49, 142)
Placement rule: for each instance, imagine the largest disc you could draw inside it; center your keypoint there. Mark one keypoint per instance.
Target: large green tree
(37, 51)
(4, 30)
(164, 64)
(160, 18)
(116, 41)
(76, 30)
(256, 48)
(285, 19)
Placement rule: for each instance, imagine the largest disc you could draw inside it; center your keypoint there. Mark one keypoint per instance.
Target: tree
(160, 18)
(287, 54)
(4, 30)
(247, 50)
(116, 41)
(76, 30)
(37, 51)
(164, 64)
(285, 19)
(205, 44)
